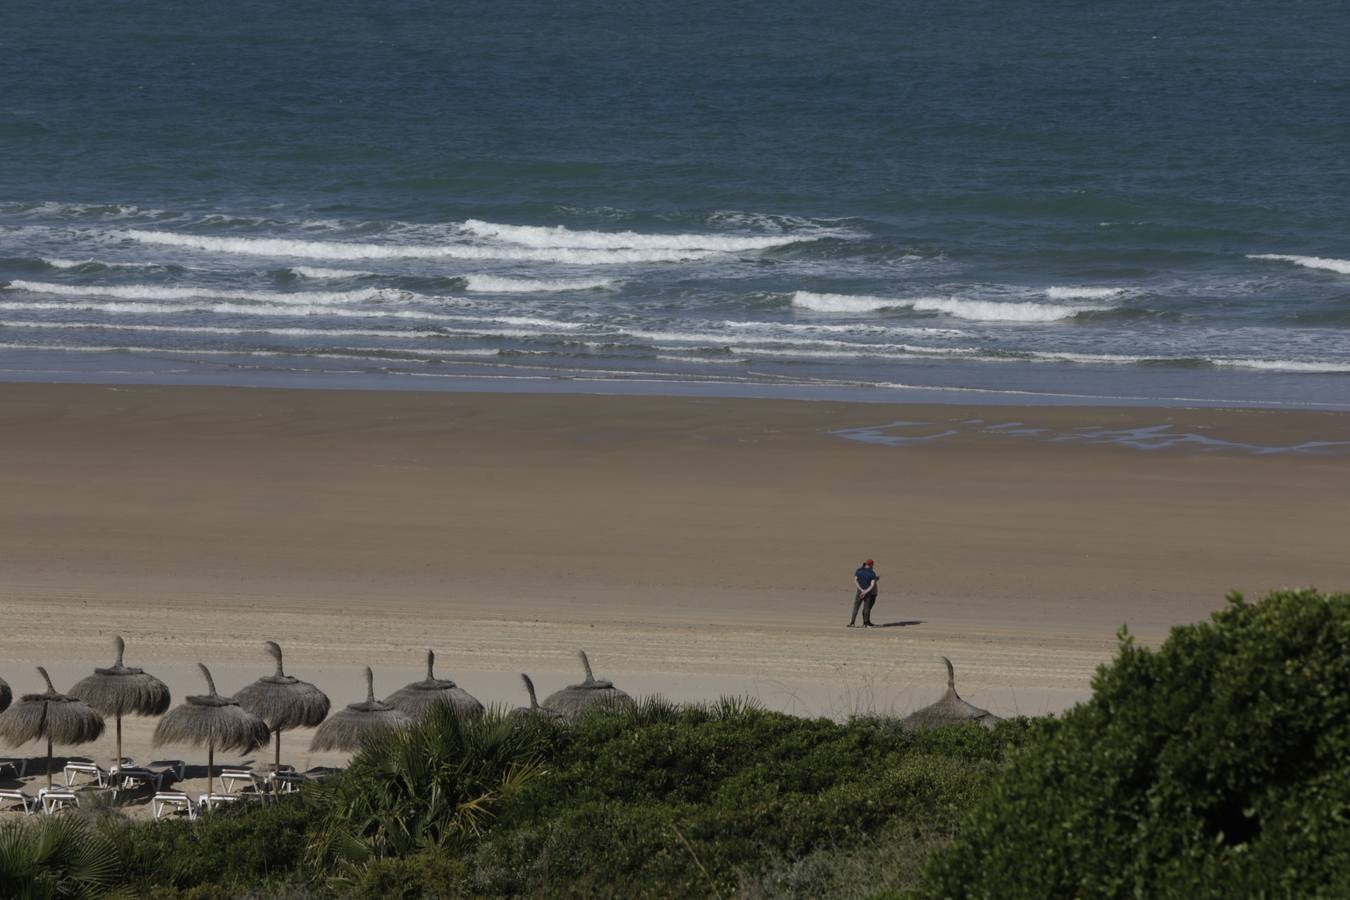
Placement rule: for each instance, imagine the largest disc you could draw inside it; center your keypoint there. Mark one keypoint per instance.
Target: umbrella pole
(118, 762)
(49, 762)
(210, 769)
(276, 766)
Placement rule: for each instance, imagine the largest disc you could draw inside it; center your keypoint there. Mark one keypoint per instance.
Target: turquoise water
(1040, 201)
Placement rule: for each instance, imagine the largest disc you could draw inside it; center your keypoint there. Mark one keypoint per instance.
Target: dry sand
(693, 546)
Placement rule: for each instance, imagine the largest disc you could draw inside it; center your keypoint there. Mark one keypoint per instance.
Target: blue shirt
(865, 577)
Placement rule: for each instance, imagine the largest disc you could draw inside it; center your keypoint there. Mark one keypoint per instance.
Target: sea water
(1042, 201)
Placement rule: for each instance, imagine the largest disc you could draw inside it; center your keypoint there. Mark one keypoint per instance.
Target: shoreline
(550, 384)
(690, 545)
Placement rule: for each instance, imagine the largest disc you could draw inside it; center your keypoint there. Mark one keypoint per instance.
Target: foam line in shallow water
(974, 310)
(554, 237)
(155, 292)
(353, 250)
(497, 284)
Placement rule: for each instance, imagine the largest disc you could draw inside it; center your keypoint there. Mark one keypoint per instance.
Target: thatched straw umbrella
(951, 709)
(56, 717)
(534, 710)
(5, 695)
(213, 720)
(420, 696)
(349, 729)
(121, 690)
(574, 700)
(283, 702)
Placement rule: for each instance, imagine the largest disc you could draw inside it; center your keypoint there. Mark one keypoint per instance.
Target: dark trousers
(865, 601)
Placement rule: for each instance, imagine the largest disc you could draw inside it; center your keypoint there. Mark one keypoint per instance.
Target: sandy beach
(693, 546)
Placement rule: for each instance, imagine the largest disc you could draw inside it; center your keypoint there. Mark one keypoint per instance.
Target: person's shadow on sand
(901, 624)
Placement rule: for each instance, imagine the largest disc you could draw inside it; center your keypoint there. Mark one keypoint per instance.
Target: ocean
(1032, 202)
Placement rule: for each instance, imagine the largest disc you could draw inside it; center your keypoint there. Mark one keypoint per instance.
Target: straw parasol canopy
(417, 698)
(54, 716)
(951, 709)
(574, 700)
(534, 710)
(283, 702)
(121, 691)
(216, 721)
(349, 729)
(5, 695)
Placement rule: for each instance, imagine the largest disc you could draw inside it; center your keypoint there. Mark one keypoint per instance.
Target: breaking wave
(975, 310)
(154, 292)
(324, 274)
(1310, 262)
(558, 237)
(1083, 293)
(496, 284)
(288, 247)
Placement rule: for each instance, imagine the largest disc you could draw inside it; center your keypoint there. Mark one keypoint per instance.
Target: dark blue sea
(1039, 201)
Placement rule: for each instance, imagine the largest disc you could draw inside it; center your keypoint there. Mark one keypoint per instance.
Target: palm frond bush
(54, 858)
(432, 786)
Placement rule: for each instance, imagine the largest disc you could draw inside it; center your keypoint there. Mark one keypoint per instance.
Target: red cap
(868, 563)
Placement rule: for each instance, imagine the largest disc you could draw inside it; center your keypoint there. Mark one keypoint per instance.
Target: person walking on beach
(865, 580)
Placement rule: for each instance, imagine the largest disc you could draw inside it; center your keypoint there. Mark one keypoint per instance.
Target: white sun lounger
(28, 801)
(176, 799)
(209, 801)
(229, 778)
(128, 777)
(287, 782)
(97, 773)
(176, 766)
(55, 799)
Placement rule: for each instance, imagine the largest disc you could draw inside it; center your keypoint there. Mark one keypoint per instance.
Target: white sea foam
(298, 311)
(287, 247)
(860, 329)
(156, 292)
(1083, 293)
(496, 284)
(212, 329)
(1284, 365)
(977, 310)
(1312, 262)
(559, 237)
(844, 303)
(77, 263)
(318, 273)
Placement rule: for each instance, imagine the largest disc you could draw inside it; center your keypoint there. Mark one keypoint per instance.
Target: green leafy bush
(55, 858)
(1217, 765)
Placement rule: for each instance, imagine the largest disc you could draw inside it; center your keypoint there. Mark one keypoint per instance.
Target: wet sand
(692, 546)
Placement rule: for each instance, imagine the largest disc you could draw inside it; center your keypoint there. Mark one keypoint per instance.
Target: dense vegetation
(1218, 764)
(1215, 766)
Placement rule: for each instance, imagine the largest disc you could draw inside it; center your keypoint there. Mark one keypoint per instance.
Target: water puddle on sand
(1146, 437)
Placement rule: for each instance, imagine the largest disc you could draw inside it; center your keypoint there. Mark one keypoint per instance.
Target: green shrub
(1218, 765)
(55, 858)
(232, 849)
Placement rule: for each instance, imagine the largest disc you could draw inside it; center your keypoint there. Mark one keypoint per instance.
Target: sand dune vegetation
(1214, 764)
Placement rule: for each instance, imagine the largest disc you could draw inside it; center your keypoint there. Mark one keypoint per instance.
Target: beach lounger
(287, 782)
(210, 801)
(314, 773)
(230, 778)
(74, 769)
(128, 777)
(180, 802)
(176, 766)
(28, 802)
(55, 799)
(19, 766)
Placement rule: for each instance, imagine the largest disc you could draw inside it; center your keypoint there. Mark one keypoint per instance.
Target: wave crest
(976, 310)
(1309, 262)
